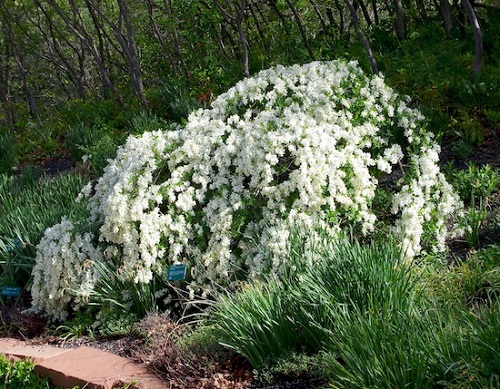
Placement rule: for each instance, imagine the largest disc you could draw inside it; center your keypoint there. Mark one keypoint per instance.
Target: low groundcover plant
(301, 145)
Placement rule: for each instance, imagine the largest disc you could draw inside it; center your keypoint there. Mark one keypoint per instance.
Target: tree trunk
(341, 16)
(320, 16)
(361, 36)
(257, 23)
(243, 39)
(27, 89)
(366, 14)
(445, 10)
(158, 34)
(18, 56)
(301, 29)
(60, 59)
(81, 35)
(127, 45)
(421, 9)
(175, 36)
(284, 23)
(132, 54)
(4, 89)
(237, 19)
(375, 11)
(400, 20)
(478, 37)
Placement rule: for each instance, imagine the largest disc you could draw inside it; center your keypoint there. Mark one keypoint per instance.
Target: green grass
(366, 320)
(30, 203)
(295, 314)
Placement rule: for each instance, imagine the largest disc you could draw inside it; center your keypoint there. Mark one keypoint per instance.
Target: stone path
(83, 366)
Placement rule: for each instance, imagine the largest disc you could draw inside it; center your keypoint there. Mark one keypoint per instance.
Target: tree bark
(478, 37)
(4, 89)
(18, 56)
(133, 55)
(158, 34)
(445, 10)
(284, 23)
(366, 14)
(341, 16)
(237, 19)
(421, 9)
(320, 16)
(75, 72)
(81, 35)
(175, 36)
(127, 44)
(361, 36)
(375, 11)
(400, 20)
(243, 39)
(301, 29)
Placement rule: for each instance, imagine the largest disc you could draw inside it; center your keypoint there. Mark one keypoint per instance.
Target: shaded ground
(179, 368)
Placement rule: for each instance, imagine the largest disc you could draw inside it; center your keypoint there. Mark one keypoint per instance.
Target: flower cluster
(63, 270)
(126, 204)
(299, 145)
(426, 201)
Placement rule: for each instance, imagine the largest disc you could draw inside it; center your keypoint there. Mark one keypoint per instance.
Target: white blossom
(291, 145)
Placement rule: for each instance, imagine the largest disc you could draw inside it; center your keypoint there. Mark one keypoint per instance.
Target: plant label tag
(11, 291)
(176, 272)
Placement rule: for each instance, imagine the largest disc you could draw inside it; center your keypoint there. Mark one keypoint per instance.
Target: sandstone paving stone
(21, 349)
(97, 370)
(83, 366)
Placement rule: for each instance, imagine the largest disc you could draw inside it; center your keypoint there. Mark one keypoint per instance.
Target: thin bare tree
(478, 37)
(7, 20)
(126, 40)
(301, 29)
(362, 37)
(236, 17)
(78, 30)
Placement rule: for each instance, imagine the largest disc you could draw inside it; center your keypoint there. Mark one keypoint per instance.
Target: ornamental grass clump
(297, 145)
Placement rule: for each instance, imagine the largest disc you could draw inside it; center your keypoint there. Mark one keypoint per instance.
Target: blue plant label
(11, 291)
(16, 245)
(176, 272)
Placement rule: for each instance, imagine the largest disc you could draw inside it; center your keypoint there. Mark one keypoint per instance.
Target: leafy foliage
(20, 375)
(7, 153)
(30, 203)
(475, 182)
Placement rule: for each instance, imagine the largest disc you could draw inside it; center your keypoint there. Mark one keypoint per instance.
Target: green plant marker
(176, 272)
(11, 291)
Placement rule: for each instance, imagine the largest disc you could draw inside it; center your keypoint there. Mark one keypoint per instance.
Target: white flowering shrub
(299, 145)
(63, 272)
